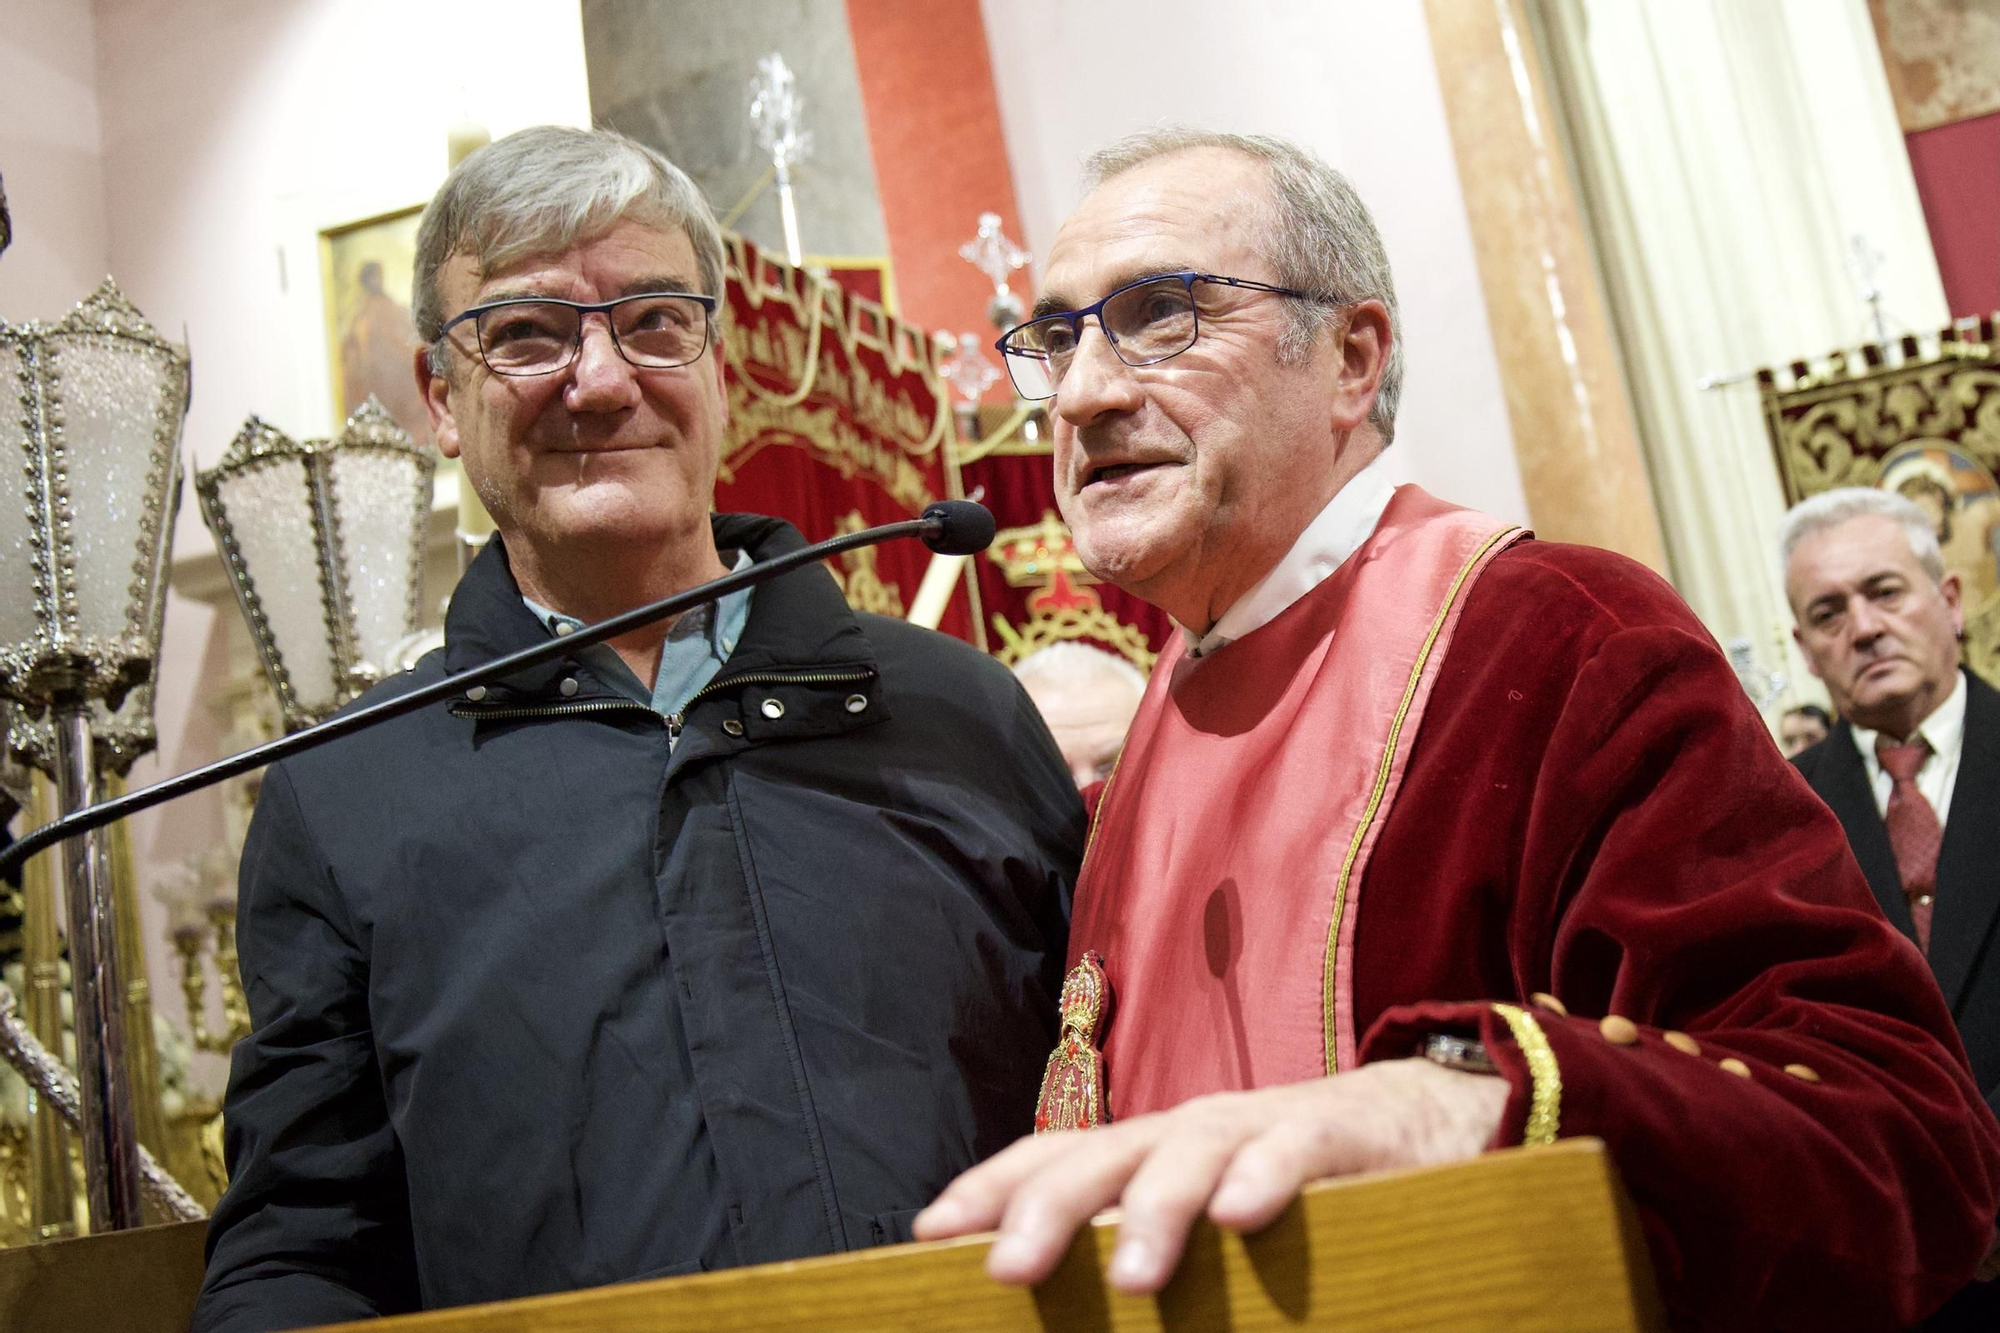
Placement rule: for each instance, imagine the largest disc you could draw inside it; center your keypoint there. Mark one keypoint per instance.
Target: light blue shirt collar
(696, 647)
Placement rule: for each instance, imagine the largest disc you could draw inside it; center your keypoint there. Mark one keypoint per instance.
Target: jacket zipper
(502, 712)
(678, 720)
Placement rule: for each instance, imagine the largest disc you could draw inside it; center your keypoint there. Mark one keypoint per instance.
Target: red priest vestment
(1468, 769)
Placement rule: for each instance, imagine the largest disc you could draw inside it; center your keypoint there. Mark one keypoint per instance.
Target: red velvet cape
(1593, 810)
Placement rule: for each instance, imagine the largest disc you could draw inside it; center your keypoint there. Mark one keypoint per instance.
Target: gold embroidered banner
(837, 422)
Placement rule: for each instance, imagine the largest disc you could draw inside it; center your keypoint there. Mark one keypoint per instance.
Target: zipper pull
(674, 724)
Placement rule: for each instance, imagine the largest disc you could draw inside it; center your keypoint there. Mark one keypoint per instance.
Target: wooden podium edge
(1531, 1240)
(139, 1281)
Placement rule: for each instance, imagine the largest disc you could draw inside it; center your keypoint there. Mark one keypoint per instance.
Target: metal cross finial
(992, 253)
(967, 370)
(775, 107)
(1865, 262)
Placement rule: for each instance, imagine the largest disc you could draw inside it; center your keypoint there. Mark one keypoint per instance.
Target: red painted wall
(940, 154)
(1957, 168)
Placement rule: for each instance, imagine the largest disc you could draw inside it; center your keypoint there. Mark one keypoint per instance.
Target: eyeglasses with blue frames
(1146, 322)
(538, 335)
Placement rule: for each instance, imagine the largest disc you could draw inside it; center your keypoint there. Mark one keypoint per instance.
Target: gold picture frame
(366, 270)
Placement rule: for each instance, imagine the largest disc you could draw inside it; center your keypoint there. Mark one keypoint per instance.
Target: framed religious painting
(366, 269)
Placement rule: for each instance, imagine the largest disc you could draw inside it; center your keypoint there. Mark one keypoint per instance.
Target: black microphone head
(963, 528)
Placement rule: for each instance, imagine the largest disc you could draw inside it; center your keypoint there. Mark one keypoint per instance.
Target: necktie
(1914, 831)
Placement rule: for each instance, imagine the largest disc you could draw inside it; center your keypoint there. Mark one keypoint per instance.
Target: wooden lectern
(1531, 1240)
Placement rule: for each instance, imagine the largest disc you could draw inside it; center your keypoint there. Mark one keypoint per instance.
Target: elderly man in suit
(1916, 754)
(1914, 760)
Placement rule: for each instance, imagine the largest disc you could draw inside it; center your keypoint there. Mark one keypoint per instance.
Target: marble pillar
(1575, 438)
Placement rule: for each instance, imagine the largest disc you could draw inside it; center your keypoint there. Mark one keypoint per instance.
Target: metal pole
(788, 214)
(110, 1141)
(50, 1178)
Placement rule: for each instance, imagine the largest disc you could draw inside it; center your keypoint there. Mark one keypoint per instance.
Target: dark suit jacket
(1968, 877)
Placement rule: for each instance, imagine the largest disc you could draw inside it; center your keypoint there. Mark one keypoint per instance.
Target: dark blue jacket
(540, 1004)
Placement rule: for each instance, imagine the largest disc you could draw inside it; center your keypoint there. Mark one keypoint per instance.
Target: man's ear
(436, 390)
(1365, 342)
(1949, 589)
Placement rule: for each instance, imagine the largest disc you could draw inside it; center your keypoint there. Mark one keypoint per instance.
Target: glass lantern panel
(153, 614)
(116, 397)
(17, 549)
(269, 508)
(383, 500)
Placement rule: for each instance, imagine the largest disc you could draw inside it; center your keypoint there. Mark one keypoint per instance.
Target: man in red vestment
(1430, 838)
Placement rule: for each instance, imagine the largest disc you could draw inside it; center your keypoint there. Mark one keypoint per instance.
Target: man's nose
(601, 379)
(1864, 623)
(1097, 383)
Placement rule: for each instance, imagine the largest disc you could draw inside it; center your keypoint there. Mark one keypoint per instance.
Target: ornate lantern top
(90, 422)
(323, 541)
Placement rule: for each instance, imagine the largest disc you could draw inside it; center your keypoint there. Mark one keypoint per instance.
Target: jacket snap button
(772, 709)
(733, 727)
(568, 687)
(476, 693)
(856, 702)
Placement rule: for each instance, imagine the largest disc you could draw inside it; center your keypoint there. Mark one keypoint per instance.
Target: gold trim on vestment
(1329, 990)
(1545, 1099)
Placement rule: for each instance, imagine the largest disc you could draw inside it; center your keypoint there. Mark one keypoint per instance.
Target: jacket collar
(798, 621)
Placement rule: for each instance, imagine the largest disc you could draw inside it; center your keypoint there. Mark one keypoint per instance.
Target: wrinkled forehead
(1201, 209)
(1849, 554)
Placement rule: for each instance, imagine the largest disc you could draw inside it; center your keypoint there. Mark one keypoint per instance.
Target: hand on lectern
(1241, 1157)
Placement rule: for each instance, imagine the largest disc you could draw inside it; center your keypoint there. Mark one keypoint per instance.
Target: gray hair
(1829, 509)
(1317, 237)
(1072, 661)
(540, 191)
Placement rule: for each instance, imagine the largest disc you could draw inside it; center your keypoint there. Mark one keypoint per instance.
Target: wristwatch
(1460, 1053)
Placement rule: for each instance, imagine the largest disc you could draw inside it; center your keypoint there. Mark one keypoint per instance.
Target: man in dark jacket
(1913, 765)
(727, 942)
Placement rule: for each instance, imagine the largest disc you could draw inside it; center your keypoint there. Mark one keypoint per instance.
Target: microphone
(949, 527)
(963, 527)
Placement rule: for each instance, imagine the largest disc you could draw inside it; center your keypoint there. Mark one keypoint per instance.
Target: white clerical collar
(1943, 729)
(1347, 521)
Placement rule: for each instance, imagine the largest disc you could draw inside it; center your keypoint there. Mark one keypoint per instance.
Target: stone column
(1575, 438)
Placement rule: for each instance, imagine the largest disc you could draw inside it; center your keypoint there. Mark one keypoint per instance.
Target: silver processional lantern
(323, 541)
(89, 482)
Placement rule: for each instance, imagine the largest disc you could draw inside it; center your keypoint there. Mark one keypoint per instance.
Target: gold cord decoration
(1329, 989)
(1545, 1098)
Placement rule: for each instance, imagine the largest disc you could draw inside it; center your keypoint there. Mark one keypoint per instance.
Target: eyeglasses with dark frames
(1146, 322)
(539, 335)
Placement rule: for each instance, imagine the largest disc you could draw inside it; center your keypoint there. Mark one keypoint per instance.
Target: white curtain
(1729, 153)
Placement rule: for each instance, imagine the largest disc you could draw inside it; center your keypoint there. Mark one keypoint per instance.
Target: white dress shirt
(1945, 730)
(1337, 532)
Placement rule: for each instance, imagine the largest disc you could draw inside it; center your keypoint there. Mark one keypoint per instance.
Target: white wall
(196, 149)
(236, 130)
(51, 158)
(1352, 79)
